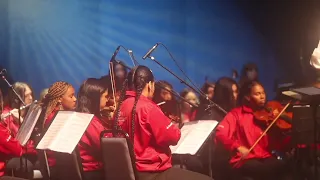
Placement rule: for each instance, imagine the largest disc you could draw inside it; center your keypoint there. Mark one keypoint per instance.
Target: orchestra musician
(226, 94)
(93, 96)
(12, 104)
(238, 131)
(43, 94)
(249, 72)
(167, 102)
(150, 130)
(204, 113)
(61, 96)
(188, 112)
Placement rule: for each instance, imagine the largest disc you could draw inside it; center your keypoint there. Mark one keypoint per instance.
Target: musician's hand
(243, 150)
(15, 113)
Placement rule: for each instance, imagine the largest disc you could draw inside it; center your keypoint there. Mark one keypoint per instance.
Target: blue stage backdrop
(45, 41)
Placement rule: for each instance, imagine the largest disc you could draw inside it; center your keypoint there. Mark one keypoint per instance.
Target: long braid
(122, 97)
(133, 116)
(51, 100)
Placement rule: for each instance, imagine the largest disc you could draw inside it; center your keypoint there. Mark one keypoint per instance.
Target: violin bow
(113, 83)
(264, 133)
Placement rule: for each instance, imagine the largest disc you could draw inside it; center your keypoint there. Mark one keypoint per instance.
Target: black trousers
(263, 169)
(172, 174)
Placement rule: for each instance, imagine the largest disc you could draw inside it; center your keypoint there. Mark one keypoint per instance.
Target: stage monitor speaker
(303, 124)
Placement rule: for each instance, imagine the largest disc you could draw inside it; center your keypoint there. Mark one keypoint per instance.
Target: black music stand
(311, 95)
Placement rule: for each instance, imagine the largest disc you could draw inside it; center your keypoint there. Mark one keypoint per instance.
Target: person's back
(150, 130)
(151, 124)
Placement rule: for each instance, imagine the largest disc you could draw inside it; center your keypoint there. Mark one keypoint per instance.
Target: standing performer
(150, 130)
(239, 130)
(92, 98)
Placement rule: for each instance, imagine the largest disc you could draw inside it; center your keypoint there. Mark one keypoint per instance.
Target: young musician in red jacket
(92, 98)
(150, 130)
(61, 96)
(238, 131)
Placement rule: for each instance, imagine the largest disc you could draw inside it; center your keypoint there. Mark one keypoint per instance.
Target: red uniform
(13, 125)
(9, 147)
(153, 134)
(90, 148)
(239, 129)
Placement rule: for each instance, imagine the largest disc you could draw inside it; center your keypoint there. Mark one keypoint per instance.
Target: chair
(118, 157)
(69, 166)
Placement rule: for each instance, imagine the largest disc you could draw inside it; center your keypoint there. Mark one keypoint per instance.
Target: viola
(271, 110)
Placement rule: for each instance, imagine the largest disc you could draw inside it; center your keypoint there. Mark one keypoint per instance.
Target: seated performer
(92, 98)
(60, 97)
(9, 147)
(188, 112)
(238, 131)
(150, 130)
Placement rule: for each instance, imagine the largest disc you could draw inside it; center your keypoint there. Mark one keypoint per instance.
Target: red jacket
(13, 125)
(89, 146)
(9, 147)
(153, 134)
(238, 129)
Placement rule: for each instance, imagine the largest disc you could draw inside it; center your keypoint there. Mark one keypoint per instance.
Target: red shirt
(153, 134)
(89, 146)
(13, 126)
(238, 129)
(11, 122)
(9, 147)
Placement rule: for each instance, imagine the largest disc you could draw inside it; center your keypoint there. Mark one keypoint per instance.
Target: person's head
(61, 95)
(249, 72)
(141, 80)
(43, 94)
(208, 89)
(162, 92)
(93, 96)
(226, 93)
(24, 90)
(191, 97)
(119, 69)
(253, 94)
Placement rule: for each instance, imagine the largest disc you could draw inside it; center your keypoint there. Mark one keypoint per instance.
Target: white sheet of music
(193, 135)
(65, 131)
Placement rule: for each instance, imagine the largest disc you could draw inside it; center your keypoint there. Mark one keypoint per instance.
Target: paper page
(28, 124)
(71, 133)
(193, 135)
(56, 126)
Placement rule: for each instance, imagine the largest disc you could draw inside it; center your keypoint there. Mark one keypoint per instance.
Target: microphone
(150, 51)
(3, 71)
(115, 53)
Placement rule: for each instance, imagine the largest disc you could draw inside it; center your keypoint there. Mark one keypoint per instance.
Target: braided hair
(138, 78)
(51, 100)
(122, 97)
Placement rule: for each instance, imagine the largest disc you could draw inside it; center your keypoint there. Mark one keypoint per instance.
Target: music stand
(312, 96)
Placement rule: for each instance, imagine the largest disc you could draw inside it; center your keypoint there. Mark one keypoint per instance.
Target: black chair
(118, 156)
(69, 166)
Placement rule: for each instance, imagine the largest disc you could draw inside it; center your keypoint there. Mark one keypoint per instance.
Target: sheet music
(65, 131)
(193, 135)
(29, 123)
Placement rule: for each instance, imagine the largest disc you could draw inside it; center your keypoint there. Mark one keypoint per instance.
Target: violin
(272, 109)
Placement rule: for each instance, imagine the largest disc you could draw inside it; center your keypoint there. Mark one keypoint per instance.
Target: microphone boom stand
(212, 104)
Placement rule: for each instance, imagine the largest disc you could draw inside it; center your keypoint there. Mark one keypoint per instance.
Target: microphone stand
(162, 87)
(21, 102)
(211, 103)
